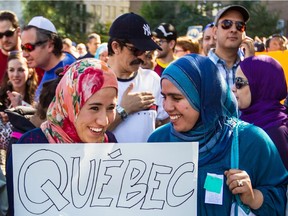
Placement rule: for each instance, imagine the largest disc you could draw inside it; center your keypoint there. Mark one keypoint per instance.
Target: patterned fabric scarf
(81, 80)
(268, 87)
(201, 83)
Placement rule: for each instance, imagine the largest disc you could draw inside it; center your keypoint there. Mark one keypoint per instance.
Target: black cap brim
(145, 45)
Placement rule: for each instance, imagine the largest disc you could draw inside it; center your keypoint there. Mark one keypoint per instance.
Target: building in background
(15, 6)
(106, 11)
(282, 8)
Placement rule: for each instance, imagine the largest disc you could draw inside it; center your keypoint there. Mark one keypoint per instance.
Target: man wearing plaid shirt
(229, 30)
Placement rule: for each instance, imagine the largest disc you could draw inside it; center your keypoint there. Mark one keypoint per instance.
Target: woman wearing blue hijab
(102, 52)
(202, 110)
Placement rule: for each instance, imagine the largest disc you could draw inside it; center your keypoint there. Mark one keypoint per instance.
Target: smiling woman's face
(182, 115)
(18, 73)
(96, 115)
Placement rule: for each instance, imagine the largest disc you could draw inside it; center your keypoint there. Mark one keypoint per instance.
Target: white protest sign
(105, 179)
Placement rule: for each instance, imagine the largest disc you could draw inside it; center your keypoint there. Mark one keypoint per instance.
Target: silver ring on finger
(240, 183)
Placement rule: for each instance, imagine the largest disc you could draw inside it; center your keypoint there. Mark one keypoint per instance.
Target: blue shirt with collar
(227, 73)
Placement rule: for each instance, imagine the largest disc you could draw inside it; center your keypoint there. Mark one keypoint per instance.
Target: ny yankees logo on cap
(146, 29)
(135, 30)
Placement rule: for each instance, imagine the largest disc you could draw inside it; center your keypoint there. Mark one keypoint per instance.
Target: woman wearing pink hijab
(83, 107)
(81, 111)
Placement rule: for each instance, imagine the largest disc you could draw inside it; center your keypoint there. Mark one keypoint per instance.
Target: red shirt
(3, 65)
(40, 73)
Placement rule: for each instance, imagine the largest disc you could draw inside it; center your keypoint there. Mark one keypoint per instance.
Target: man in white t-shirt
(139, 109)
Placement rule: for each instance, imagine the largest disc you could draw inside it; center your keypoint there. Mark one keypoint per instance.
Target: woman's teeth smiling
(175, 117)
(97, 130)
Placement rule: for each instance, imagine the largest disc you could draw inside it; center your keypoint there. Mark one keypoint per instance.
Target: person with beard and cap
(165, 35)
(229, 31)
(139, 108)
(9, 38)
(259, 99)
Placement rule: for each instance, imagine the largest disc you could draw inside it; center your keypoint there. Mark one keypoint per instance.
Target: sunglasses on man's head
(227, 24)
(7, 33)
(28, 47)
(240, 82)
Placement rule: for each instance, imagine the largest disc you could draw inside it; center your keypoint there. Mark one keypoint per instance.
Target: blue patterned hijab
(201, 83)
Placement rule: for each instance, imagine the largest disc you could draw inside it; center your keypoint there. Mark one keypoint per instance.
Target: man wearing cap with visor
(229, 30)
(42, 47)
(165, 35)
(139, 106)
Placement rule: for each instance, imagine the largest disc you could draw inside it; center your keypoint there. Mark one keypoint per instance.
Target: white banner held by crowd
(124, 179)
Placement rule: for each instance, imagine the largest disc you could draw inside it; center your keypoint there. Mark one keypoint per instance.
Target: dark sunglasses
(136, 52)
(28, 47)
(227, 24)
(7, 33)
(240, 82)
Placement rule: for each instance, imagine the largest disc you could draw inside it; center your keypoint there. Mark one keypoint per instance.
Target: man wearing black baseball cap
(139, 106)
(229, 31)
(166, 36)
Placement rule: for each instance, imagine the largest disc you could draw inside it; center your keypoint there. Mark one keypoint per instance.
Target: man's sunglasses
(28, 47)
(136, 52)
(227, 24)
(240, 82)
(7, 33)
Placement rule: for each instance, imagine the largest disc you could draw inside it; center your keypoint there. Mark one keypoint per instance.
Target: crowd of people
(146, 85)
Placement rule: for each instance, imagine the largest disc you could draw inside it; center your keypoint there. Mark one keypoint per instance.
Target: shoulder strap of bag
(235, 165)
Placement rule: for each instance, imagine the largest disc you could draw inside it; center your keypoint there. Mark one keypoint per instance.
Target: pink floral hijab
(81, 80)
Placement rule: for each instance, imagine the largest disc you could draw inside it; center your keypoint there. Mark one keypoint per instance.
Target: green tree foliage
(183, 14)
(190, 15)
(262, 23)
(69, 17)
(101, 29)
(157, 12)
